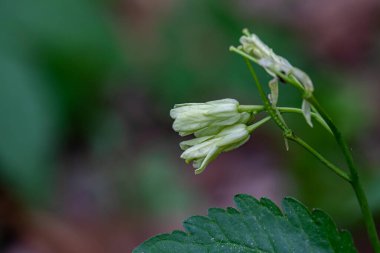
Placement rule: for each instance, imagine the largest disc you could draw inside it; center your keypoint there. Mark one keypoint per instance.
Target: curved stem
(355, 181)
(316, 116)
(288, 134)
(315, 153)
(287, 78)
(251, 108)
(258, 124)
(267, 105)
(260, 108)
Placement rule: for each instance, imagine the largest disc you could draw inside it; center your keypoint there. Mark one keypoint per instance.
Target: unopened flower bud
(271, 62)
(278, 67)
(264, 55)
(204, 119)
(202, 150)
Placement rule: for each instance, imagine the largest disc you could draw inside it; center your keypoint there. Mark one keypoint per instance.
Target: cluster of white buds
(217, 125)
(203, 150)
(278, 67)
(203, 119)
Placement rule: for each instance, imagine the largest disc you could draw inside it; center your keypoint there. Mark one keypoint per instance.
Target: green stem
(258, 124)
(260, 108)
(315, 153)
(288, 134)
(316, 116)
(251, 108)
(355, 181)
(287, 78)
(267, 105)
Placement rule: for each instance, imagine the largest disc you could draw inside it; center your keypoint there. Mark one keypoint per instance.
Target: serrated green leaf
(255, 227)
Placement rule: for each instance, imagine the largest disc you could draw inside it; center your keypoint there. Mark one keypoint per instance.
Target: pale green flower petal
(245, 117)
(306, 109)
(237, 144)
(206, 118)
(221, 110)
(203, 150)
(212, 155)
(233, 135)
(189, 143)
(271, 62)
(224, 101)
(304, 79)
(199, 150)
(210, 130)
(273, 86)
(198, 162)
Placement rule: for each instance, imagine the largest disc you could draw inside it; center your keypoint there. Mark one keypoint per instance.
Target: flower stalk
(354, 175)
(252, 50)
(218, 126)
(203, 150)
(288, 133)
(223, 125)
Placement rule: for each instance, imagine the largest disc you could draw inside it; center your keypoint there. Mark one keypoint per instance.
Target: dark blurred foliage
(88, 160)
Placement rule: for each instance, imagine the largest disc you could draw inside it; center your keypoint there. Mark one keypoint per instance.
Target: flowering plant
(259, 225)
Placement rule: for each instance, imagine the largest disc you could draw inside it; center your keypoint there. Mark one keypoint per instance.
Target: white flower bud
(272, 63)
(204, 119)
(202, 150)
(264, 55)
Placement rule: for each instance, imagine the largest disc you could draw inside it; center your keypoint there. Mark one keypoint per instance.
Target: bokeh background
(88, 160)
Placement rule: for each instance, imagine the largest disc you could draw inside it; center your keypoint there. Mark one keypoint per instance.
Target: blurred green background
(88, 160)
